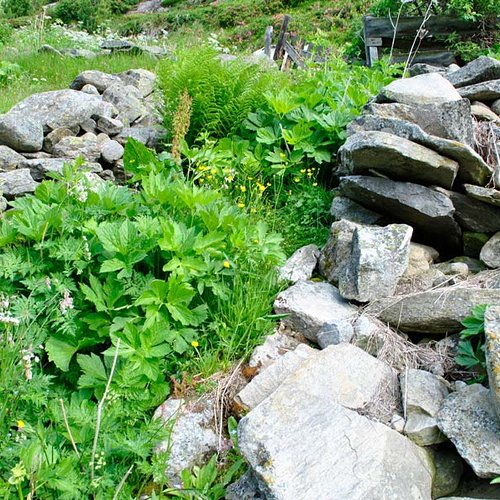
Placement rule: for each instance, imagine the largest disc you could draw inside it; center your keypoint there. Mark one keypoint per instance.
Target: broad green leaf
(94, 372)
(60, 352)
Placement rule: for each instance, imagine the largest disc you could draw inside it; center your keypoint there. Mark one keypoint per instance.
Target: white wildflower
(66, 303)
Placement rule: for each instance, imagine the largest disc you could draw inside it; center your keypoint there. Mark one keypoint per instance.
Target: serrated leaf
(186, 316)
(94, 372)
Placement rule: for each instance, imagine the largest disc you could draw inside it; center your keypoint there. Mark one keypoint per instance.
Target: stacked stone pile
(92, 120)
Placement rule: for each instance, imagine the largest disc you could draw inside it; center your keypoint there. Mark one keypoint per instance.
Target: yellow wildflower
(315, 184)
(282, 155)
(296, 179)
(243, 189)
(213, 171)
(20, 424)
(241, 205)
(226, 264)
(195, 343)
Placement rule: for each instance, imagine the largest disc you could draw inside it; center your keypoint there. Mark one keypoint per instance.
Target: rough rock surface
(429, 88)
(310, 305)
(273, 348)
(490, 253)
(268, 380)
(434, 311)
(344, 208)
(301, 265)
(305, 418)
(481, 69)
(142, 79)
(482, 112)
(52, 138)
(448, 471)
(378, 258)
(450, 120)
(9, 159)
(101, 81)
(111, 151)
(485, 91)
(21, 132)
(492, 348)
(192, 439)
(420, 258)
(472, 168)
(397, 158)
(425, 209)
(335, 332)
(17, 182)
(73, 147)
(422, 395)
(487, 195)
(127, 100)
(468, 419)
(62, 108)
(474, 215)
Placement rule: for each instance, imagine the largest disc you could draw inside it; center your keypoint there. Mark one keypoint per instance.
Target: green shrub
(81, 11)
(222, 93)
(20, 8)
(103, 285)
(9, 72)
(5, 32)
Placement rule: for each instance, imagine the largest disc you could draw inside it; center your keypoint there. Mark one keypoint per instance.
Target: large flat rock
(480, 70)
(430, 88)
(488, 195)
(472, 168)
(396, 157)
(468, 419)
(490, 253)
(310, 305)
(21, 133)
(474, 215)
(449, 120)
(485, 91)
(61, 108)
(302, 442)
(422, 208)
(16, 183)
(434, 311)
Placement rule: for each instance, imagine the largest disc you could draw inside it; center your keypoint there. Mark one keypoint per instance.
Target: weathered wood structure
(383, 33)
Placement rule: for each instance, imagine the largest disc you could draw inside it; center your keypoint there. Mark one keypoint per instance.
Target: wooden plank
(278, 52)
(436, 57)
(267, 41)
(381, 27)
(294, 55)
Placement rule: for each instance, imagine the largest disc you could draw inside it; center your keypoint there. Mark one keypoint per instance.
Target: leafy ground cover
(111, 292)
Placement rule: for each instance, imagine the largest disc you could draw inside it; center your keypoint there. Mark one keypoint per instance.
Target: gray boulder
(273, 348)
(311, 416)
(397, 158)
(480, 70)
(101, 81)
(487, 195)
(127, 100)
(378, 258)
(482, 112)
(431, 88)
(420, 258)
(450, 120)
(16, 183)
(335, 332)
(492, 349)
(301, 265)
(472, 168)
(310, 305)
(3, 204)
(142, 79)
(22, 133)
(490, 253)
(73, 147)
(268, 380)
(52, 138)
(485, 91)
(150, 136)
(435, 311)
(110, 126)
(111, 151)
(9, 159)
(474, 215)
(191, 440)
(448, 471)
(345, 209)
(423, 69)
(90, 89)
(422, 208)
(468, 419)
(62, 108)
(422, 396)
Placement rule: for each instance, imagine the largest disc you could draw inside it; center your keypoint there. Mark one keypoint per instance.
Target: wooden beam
(267, 41)
(278, 52)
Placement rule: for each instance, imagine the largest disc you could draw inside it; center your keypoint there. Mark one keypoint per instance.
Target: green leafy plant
(471, 353)
(222, 93)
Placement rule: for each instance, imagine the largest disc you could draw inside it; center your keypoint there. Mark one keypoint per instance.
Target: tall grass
(42, 72)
